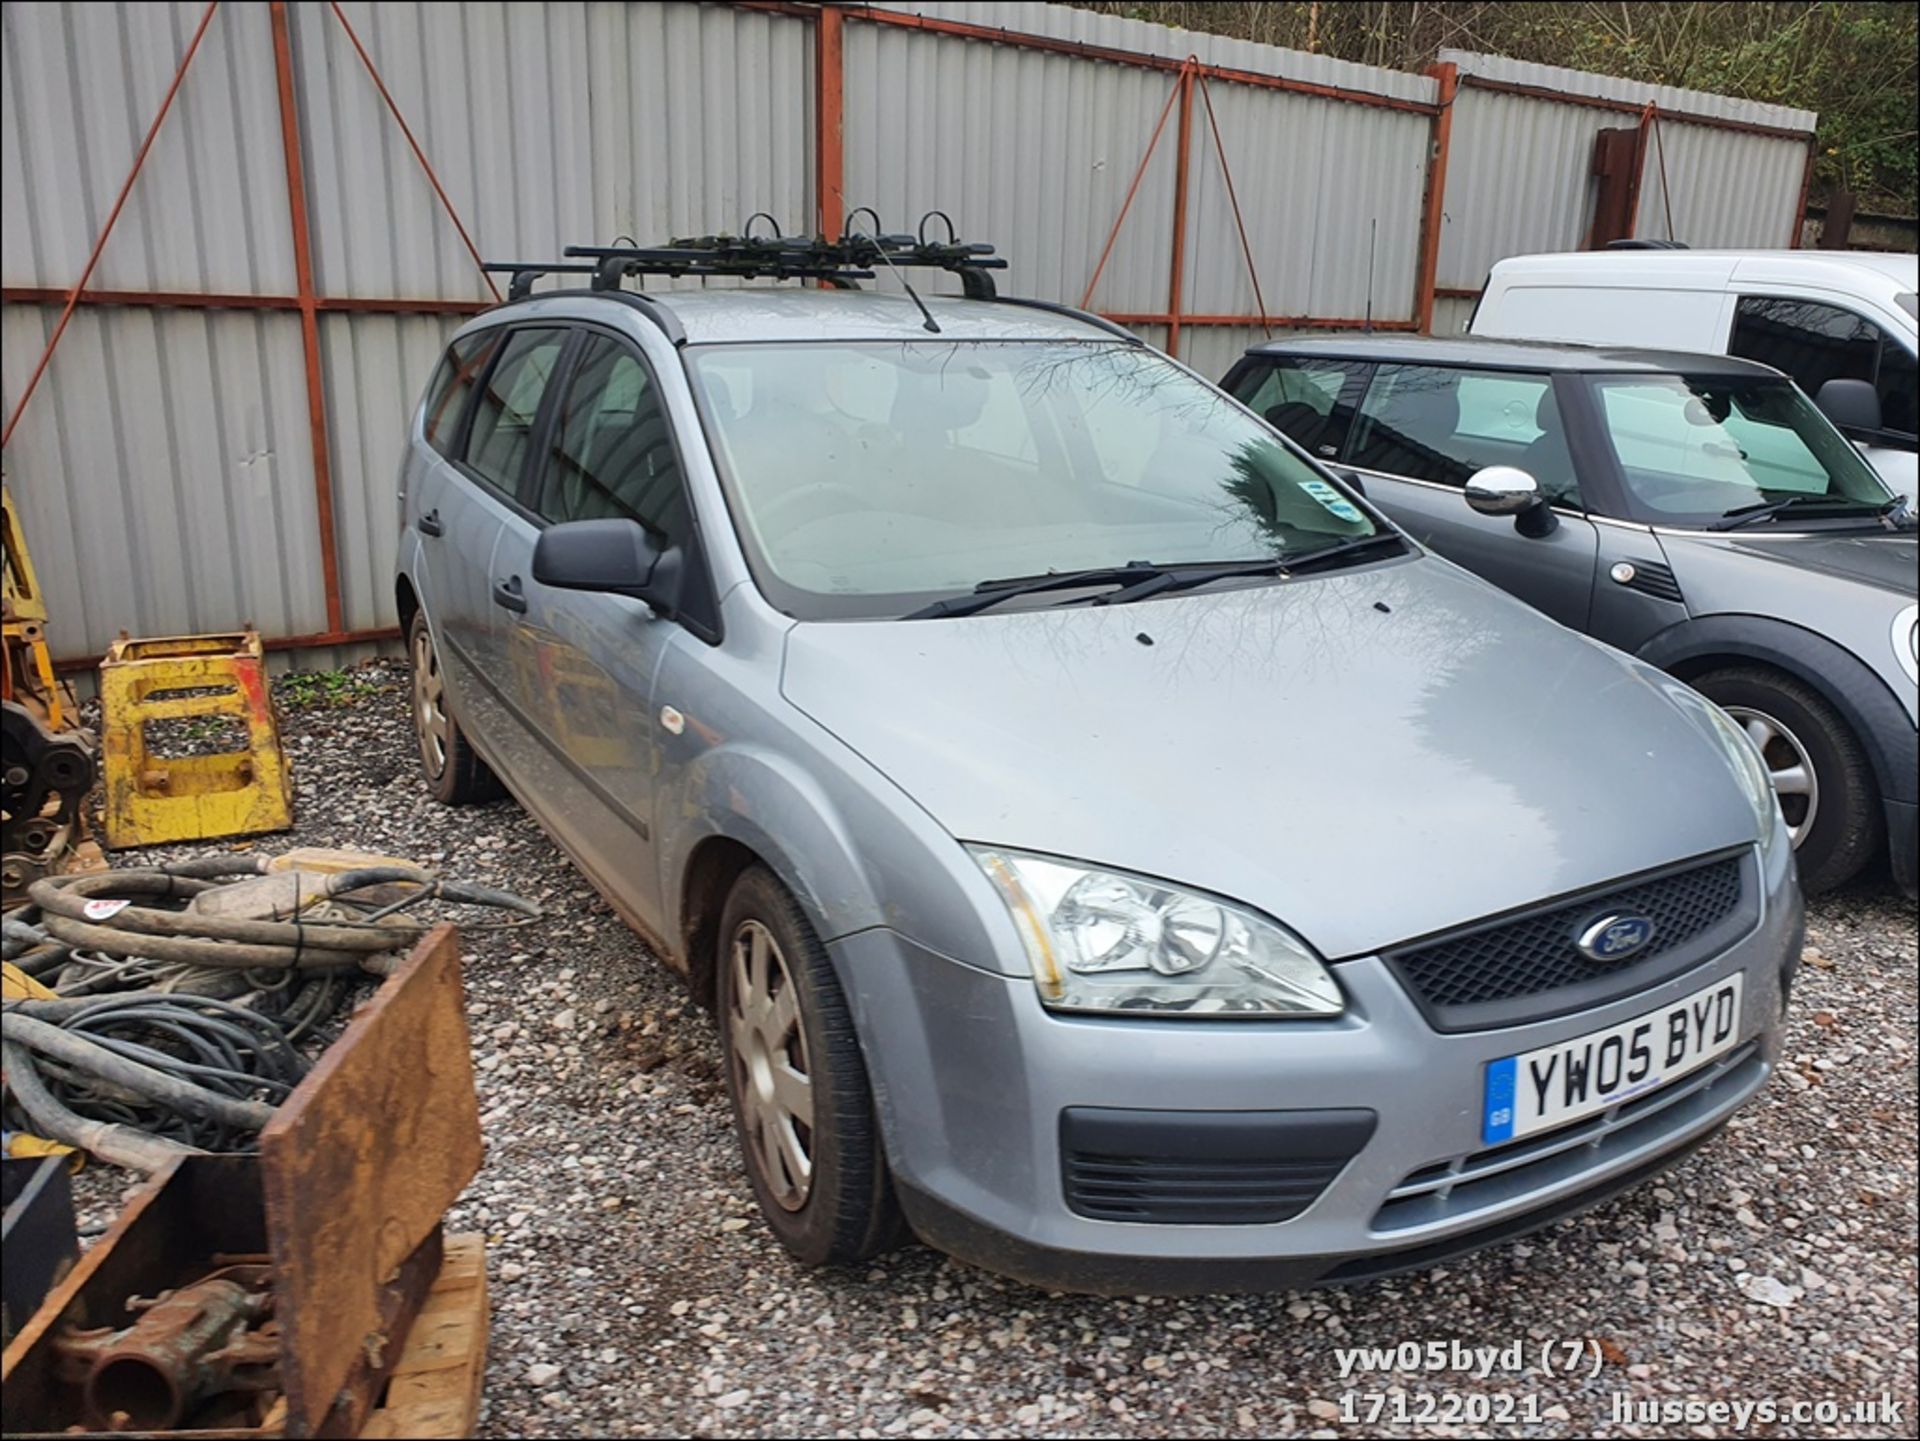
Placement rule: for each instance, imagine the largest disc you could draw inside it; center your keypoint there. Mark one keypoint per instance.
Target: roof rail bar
(842, 262)
(525, 272)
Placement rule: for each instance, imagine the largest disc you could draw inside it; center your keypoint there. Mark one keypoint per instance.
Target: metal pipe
(1226, 174)
(1177, 271)
(100, 244)
(1640, 148)
(1632, 107)
(309, 320)
(829, 120)
(1133, 189)
(418, 154)
(1806, 188)
(1433, 213)
(964, 30)
(210, 300)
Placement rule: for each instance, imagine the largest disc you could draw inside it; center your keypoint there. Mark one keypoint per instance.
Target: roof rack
(842, 263)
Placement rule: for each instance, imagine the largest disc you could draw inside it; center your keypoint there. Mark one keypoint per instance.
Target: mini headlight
(1906, 642)
(1751, 771)
(1105, 941)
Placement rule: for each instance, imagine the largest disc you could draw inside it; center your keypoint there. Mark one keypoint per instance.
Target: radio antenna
(881, 250)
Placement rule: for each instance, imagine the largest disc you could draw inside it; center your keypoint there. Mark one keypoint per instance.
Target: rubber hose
(115, 1144)
(57, 1011)
(17, 938)
(64, 898)
(170, 1091)
(189, 952)
(213, 868)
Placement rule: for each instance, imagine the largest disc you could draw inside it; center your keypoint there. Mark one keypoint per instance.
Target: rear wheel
(454, 772)
(1820, 774)
(802, 1106)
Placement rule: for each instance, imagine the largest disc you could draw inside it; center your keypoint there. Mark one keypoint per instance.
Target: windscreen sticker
(100, 910)
(1333, 500)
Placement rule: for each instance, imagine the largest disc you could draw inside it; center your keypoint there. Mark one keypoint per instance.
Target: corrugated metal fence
(233, 383)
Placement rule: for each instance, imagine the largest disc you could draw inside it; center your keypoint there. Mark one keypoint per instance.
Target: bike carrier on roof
(842, 263)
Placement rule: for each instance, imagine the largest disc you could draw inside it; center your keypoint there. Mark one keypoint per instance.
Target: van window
(1310, 402)
(1442, 423)
(1815, 343)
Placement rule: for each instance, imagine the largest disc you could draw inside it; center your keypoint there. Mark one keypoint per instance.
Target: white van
(1820, 316)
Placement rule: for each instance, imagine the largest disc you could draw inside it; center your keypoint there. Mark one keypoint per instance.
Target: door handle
(507, 593)
(430, 523)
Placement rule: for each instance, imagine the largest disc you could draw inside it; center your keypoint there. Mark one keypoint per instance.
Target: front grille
(1205, 1168)
(1169, 1192)
(1448, 1190)
(1527, 966)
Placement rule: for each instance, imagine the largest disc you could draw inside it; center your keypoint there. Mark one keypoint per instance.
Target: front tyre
(1820, 773)
(802, 1107)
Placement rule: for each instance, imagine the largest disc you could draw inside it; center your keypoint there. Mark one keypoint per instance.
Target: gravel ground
(636, 1292)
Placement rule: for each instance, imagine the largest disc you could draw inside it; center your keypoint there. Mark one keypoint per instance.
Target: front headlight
(1751, 772)
(1105, 941)
(1906, 642)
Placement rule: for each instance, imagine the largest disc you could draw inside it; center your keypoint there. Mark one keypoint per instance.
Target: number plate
(1571, 1080)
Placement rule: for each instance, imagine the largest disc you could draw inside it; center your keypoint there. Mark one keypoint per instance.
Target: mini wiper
(1745, 515)
(992, 592)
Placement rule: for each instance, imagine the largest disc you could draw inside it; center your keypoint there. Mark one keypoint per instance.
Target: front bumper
(972, 1077)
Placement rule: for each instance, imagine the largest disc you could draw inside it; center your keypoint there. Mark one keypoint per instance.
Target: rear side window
(1442, 424)
(453, 382)
(503, 416)
(1311, 402)
(612, 453)
(1815, 343)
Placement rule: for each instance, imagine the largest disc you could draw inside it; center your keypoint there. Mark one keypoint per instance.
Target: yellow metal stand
(152, 799)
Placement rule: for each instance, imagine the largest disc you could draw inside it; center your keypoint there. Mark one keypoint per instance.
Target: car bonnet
(1367, 757)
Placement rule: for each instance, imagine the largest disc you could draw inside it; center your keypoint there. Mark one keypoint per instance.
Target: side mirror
(1508, 490)
(1852, 405)
(1352, 481)
(614, 557)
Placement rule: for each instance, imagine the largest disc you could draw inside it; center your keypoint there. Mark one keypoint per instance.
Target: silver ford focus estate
(1110, 847)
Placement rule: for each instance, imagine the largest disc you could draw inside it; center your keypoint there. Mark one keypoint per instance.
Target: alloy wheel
(769, 1058)
(429, 704)
(1788, 767)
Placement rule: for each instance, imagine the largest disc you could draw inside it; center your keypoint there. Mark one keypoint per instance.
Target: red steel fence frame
(829, 21)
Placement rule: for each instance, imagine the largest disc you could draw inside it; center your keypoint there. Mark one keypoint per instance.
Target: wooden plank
(433, 1390)
(358, 1167)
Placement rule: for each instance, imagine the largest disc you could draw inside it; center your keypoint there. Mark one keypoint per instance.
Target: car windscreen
(868, 478)
(1698, 449)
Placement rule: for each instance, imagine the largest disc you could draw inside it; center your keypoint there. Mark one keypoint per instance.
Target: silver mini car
(1110, 847)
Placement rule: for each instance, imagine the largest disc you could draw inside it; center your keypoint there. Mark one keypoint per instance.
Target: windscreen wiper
(1745, 515)
(992, 592)
(1188, 577)
(1341, 551)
